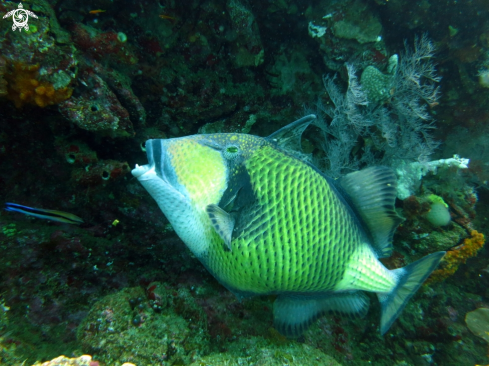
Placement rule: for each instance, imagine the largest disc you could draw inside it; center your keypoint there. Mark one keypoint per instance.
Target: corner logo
(20, 18)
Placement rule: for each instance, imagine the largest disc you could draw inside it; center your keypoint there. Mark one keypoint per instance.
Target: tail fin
(410, 279)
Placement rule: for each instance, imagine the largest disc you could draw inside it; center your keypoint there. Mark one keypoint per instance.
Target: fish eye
(231, 152)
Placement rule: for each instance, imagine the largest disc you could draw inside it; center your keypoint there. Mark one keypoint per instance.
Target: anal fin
(292, 315)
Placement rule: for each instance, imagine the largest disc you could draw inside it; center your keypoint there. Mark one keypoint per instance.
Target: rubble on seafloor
(85, 360)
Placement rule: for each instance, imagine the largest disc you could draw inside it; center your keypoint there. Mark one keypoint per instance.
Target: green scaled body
(296, 236)
(263, 221)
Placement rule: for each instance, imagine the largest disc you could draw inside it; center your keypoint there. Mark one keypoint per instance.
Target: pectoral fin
(223, 223)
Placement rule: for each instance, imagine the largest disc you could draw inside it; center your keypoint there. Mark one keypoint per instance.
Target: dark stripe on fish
(157, 154)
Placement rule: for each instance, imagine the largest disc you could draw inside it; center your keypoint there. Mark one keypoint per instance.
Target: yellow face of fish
(200, 171)
(187, 175)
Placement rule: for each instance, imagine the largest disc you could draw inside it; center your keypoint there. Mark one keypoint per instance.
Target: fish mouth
(146, 172)
(149, 170)
(181, 178)
(160, 179)
(158, 163)
(141, 170)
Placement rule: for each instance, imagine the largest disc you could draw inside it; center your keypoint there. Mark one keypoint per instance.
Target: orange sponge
(468, 249)
(24, 87)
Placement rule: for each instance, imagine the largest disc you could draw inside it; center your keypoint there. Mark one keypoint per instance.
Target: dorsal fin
(289, 137)
(373, 193)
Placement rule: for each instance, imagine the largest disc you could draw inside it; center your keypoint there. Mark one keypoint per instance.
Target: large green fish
(264, 221)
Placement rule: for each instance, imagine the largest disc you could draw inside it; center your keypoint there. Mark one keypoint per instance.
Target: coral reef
(458, 255)
(259, 351)
(101, 45)
(347, 30)
(25, 87)
(3, 82)
(358, 23)
(99, 173)
(172, 68)
(105, 102)
(173, 333)
(378, 86)
(251, 51)
(84, 360)
(117, 331)
(76, 152)
(438, 215)
(410, 175)
(41, 64)
(392, 132)
(97, 109)
(121, 86)
(478, 323)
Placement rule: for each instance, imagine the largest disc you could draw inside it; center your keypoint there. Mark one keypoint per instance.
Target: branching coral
(385, 115)
(25, 87)
(459, 255)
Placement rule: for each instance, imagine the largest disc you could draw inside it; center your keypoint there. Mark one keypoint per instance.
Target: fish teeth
(140, 170)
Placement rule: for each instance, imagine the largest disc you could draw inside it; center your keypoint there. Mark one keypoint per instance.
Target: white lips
(143, 172)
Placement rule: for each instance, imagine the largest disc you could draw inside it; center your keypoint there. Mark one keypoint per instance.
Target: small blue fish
(40, 213)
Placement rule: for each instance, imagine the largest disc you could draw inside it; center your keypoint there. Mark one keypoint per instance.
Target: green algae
(178, 335)
(110, 335)
(9, 230)
(259, 351)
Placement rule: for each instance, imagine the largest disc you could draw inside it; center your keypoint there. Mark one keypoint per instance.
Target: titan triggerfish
(265, 221)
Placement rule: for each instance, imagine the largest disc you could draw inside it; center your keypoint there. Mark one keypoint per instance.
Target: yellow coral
(85, 360)
(468, 249)
(24, 87)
